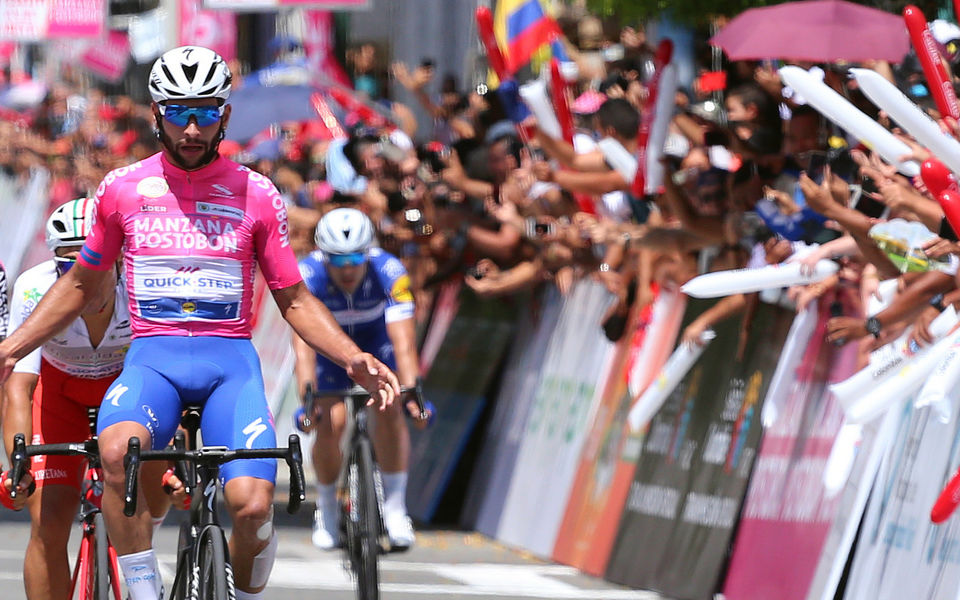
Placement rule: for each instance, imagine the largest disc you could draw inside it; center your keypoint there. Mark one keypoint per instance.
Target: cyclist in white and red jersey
(49, 393)
(192, 226)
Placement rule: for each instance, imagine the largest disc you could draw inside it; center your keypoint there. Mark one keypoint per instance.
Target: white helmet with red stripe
(70, 224)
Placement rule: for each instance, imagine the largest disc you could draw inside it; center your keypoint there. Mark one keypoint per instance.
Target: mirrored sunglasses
(180, 115)
(343, 260)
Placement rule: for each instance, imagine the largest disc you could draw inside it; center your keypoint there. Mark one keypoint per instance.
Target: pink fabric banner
(37, 20)
(787, 514)
(108, 59)
(212, 29)
(318, 46)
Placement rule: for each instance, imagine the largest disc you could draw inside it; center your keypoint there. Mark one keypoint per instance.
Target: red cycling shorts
(60, 405)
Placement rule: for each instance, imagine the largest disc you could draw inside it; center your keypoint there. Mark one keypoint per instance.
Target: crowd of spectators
(753, 177)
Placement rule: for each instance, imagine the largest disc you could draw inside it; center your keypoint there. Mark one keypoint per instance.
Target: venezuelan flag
(523, 28)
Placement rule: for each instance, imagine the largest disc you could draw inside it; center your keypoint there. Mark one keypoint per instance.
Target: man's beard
(205, 158)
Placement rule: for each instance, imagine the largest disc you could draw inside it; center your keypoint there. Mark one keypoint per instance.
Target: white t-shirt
(70, 350)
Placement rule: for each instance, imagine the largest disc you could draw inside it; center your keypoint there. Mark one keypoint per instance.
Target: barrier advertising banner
(490, 482)
(457, 383)
(900, 553)
(697, 456)
(270, 5)
(600, 488)
(38, 20)
(787, 513)
(565, 401)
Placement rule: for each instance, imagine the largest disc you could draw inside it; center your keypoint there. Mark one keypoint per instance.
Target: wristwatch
(937, 302)
(873, 326)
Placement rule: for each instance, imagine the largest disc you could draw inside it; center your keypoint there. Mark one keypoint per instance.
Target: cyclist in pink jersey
(192, 225)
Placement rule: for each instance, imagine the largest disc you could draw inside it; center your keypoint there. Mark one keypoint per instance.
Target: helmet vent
(190, 71)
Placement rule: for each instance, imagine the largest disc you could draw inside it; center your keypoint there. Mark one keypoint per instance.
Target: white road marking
(467, 579)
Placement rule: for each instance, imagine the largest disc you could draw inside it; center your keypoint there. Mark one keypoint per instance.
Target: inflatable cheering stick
(485, 31)
(947, 501)
(909, 116)
(933, 68)
(950, 203)
(660, 60)
(937, 177)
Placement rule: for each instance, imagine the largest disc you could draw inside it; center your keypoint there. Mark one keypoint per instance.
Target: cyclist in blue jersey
(368, 292)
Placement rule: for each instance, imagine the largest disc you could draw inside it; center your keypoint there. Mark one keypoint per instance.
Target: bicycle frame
(354, 430)
(90, 518)
(199, 471)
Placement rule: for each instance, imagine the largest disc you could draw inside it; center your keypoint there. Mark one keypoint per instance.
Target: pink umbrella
(817, 31)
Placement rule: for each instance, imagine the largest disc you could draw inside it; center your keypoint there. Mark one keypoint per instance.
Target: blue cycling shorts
(163, 374)
(333, 378)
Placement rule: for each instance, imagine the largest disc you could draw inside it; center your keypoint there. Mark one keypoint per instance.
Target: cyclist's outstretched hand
(375, 377)
(26, 487)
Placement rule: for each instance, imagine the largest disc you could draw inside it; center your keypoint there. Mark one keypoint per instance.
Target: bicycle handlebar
(425, 410)
(214, 455)
(22, 452)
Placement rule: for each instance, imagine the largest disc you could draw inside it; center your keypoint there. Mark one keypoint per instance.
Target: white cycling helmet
(190, 72)
(70, 223)
(344, 231)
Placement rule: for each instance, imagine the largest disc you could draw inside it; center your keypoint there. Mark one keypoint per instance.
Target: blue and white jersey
(382, 297)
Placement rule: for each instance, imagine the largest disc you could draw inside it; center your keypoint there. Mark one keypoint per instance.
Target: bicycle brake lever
(131, 467)
(17, 460)
(294, 460)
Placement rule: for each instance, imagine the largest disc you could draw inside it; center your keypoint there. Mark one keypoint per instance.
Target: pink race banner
(37, 20)
(108, 59)
(318, 46)
(268, 5)
(212, 29)
(787, 513)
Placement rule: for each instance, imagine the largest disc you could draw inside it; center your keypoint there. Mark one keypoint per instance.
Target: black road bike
(203, 563)
(95, 573)
(363, 534)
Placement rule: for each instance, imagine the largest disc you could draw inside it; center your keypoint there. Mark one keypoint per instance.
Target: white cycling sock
(395, 492)
(242, 595)
(157, 522)
(327, 498)
(142, 575)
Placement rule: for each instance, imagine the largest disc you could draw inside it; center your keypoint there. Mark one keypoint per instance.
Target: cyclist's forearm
(305, 367)
(403, 335)
(17, 405)
(314, 323)
(62, 303)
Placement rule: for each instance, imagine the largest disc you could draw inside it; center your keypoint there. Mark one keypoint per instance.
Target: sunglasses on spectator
(180, 115)
(343, 260)
(63, 264)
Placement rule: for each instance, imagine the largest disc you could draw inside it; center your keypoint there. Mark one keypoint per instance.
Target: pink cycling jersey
(190, 241)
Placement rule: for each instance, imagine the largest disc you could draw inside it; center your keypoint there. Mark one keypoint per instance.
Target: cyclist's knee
(250, 502)
(113, 447)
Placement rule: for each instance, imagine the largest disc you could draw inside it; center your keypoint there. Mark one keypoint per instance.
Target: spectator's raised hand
(920, 334)
(543, 171)
(818, 196)
(939, 247)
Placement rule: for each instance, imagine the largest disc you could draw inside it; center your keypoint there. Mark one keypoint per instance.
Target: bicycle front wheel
(215, 577)
(101, 560)
(363, 521)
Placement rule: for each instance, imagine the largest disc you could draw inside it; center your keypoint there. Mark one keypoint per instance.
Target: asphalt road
(443, 565)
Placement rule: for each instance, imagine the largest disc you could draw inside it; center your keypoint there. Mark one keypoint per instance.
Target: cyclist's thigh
(142, 395)
(236, 413)
(59, 415)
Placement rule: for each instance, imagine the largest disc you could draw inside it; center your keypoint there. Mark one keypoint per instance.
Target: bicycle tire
(365, 522)
(101, 559)
(213, 570)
